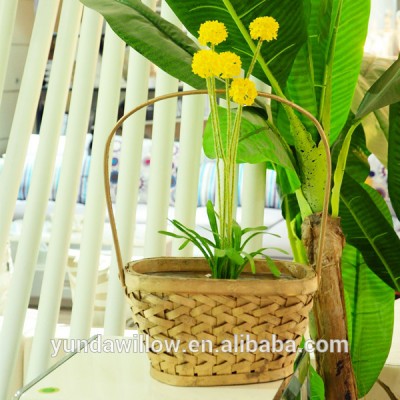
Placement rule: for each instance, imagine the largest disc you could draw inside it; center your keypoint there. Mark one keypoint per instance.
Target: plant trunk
(329, 308)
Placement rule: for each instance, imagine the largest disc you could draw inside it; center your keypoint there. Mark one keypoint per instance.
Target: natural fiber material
(169, 305)
(184, 308)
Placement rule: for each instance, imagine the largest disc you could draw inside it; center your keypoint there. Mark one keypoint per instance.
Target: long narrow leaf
(235, 256)
(192, 232)
(369, 309)
(161, 42)
(249, 238)
(201, 245)
(261, 228)
(250, 258)
(365, 221)
(237, 235)
(383, 92)
(272, 267)
(212, 218)
(394, 157)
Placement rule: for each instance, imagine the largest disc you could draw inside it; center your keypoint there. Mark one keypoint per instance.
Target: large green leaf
(357, 165)
(345, 49)
(376, 123)
(292, 16)
(369, 309)
(385, 91)
(394, 158)
(152, 36)
(366, 223)
(258, 142)
(325, 71)
(312, 165)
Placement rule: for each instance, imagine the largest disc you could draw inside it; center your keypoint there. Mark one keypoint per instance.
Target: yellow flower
(205, 63)
(213, 32)
(243, 91)
(230, 64)
(264, 28)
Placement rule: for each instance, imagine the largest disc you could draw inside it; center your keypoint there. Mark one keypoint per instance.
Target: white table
(108, 376)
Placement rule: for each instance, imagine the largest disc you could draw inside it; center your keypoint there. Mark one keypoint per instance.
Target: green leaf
(279, 54)
(158, 40)
(212, 218)
(251, 262)
(376, 123)
(366, 223)
(237, 235)
(250, 237)
(261, 143)
(174, 235)
(344, 52)
(220, 253)
(235, 256)
(394, 158)
(312, 166)
(254, 229)
(383, 92)
(199, 241)
(272, 267)
(325, 72)
(288, 181)
(370, 310)
(292, 215)
(357, 165)
(184, 244)
(317, 388)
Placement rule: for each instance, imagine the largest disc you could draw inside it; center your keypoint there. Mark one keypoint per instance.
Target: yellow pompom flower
(243, 91)
(264, 28)
(230, 65)
(213, 32)
(205, 63)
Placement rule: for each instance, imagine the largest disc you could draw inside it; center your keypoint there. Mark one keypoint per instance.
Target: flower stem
(219, 152)
(254, 59)
(230, 173)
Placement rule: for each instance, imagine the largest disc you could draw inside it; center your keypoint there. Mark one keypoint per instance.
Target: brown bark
(329, 308)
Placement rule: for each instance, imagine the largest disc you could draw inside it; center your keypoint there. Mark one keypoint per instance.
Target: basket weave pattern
(214, 319)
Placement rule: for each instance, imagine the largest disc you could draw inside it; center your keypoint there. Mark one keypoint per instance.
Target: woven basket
(172, 300)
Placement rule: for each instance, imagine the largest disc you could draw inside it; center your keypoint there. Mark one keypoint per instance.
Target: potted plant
(201, 302)
(315, 63)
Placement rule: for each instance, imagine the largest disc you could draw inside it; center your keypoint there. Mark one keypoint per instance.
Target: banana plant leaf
(325, 72)
(357, 165)
(258, 143)
(366, 223)
(292, 16)
(158, 40)
(385, 91)
(376, 123)
(394, 157)
(370, 310)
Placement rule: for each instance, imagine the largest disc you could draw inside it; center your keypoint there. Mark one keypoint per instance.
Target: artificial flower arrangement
(174, 297)
(226, 255)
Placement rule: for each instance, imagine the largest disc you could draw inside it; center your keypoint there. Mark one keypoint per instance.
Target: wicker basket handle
(307, 114)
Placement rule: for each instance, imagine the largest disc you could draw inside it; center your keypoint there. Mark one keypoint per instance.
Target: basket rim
(138, 277)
